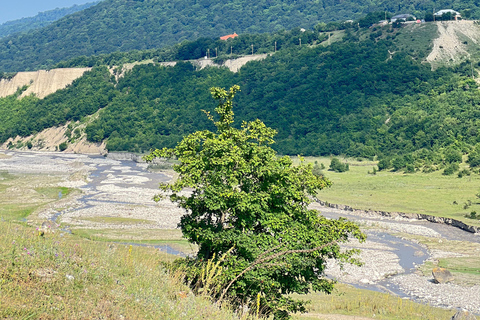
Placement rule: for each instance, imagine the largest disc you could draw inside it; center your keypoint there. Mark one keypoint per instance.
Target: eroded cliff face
(455, 42)
(41, 83)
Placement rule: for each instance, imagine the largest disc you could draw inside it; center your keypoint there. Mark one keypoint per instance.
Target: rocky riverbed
(117, 195)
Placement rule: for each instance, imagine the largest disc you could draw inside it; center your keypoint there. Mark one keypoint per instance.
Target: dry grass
(172, 238)
(60, 276)
(347, 300)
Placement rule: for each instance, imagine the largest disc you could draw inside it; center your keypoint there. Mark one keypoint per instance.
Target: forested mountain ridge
(124, 25)
(40, 20)
(361, 96)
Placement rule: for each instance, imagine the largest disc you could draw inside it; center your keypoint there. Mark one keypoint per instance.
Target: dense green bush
(337, 166)
(450, 169)
(63, 146)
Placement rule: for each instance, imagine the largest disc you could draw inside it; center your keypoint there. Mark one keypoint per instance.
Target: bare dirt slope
(455, 39)
(233, 64)
(42, 82)
(51, 138)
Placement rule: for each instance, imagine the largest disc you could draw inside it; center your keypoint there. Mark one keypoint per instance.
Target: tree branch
(265, 260)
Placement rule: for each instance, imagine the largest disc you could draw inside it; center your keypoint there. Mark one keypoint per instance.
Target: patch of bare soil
(40, 83)
(233, 64)
(51, 138)
(452, 41)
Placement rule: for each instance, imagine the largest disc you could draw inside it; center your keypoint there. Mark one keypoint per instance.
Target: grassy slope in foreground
(60, 276)
(424, 193)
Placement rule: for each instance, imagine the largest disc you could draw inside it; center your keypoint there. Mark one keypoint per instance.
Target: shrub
(384, 164)
(464, 172)
(452, 156)
(62, 146)
(337, 166)
(409, 168)
(450, 169)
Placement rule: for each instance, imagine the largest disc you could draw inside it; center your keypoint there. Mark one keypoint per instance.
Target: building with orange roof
(234, 35)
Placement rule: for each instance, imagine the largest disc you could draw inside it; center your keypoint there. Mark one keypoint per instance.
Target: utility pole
(275, 46)
(208, 53)
(216, 53)
(300, 40)
(252, 49)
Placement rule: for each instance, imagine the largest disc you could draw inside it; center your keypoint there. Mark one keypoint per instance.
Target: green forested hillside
(351, 97)
(83, 97)
(124, 25)
(40, 20)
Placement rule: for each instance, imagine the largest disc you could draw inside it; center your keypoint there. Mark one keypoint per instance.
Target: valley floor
(115, 204)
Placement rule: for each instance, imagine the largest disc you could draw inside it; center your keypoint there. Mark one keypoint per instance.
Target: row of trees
(210, 47)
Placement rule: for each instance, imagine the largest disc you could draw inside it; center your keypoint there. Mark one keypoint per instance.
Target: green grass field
(426, 193)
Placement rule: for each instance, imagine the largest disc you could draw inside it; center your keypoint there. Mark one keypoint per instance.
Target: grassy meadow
(425, 193)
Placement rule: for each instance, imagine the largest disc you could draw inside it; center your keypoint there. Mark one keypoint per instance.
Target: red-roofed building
(234, 35)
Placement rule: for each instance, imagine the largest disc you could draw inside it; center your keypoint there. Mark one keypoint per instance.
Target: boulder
(441, 275)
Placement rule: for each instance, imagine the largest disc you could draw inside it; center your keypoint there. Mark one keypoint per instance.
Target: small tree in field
(248, 214)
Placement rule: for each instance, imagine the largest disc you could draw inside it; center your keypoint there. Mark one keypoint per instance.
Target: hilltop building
(403, 18)
(455, 15)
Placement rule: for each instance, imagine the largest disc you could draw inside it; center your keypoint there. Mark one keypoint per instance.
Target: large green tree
(248, 202)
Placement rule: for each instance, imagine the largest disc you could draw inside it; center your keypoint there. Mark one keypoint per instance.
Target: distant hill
(40, 20)
(124, 25)
(364, 92)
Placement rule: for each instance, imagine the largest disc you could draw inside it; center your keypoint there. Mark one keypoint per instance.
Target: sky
(17, 9)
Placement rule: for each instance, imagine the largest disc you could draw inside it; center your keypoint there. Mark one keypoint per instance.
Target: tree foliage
(337, 166)
(246, 198)
(42, 19)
